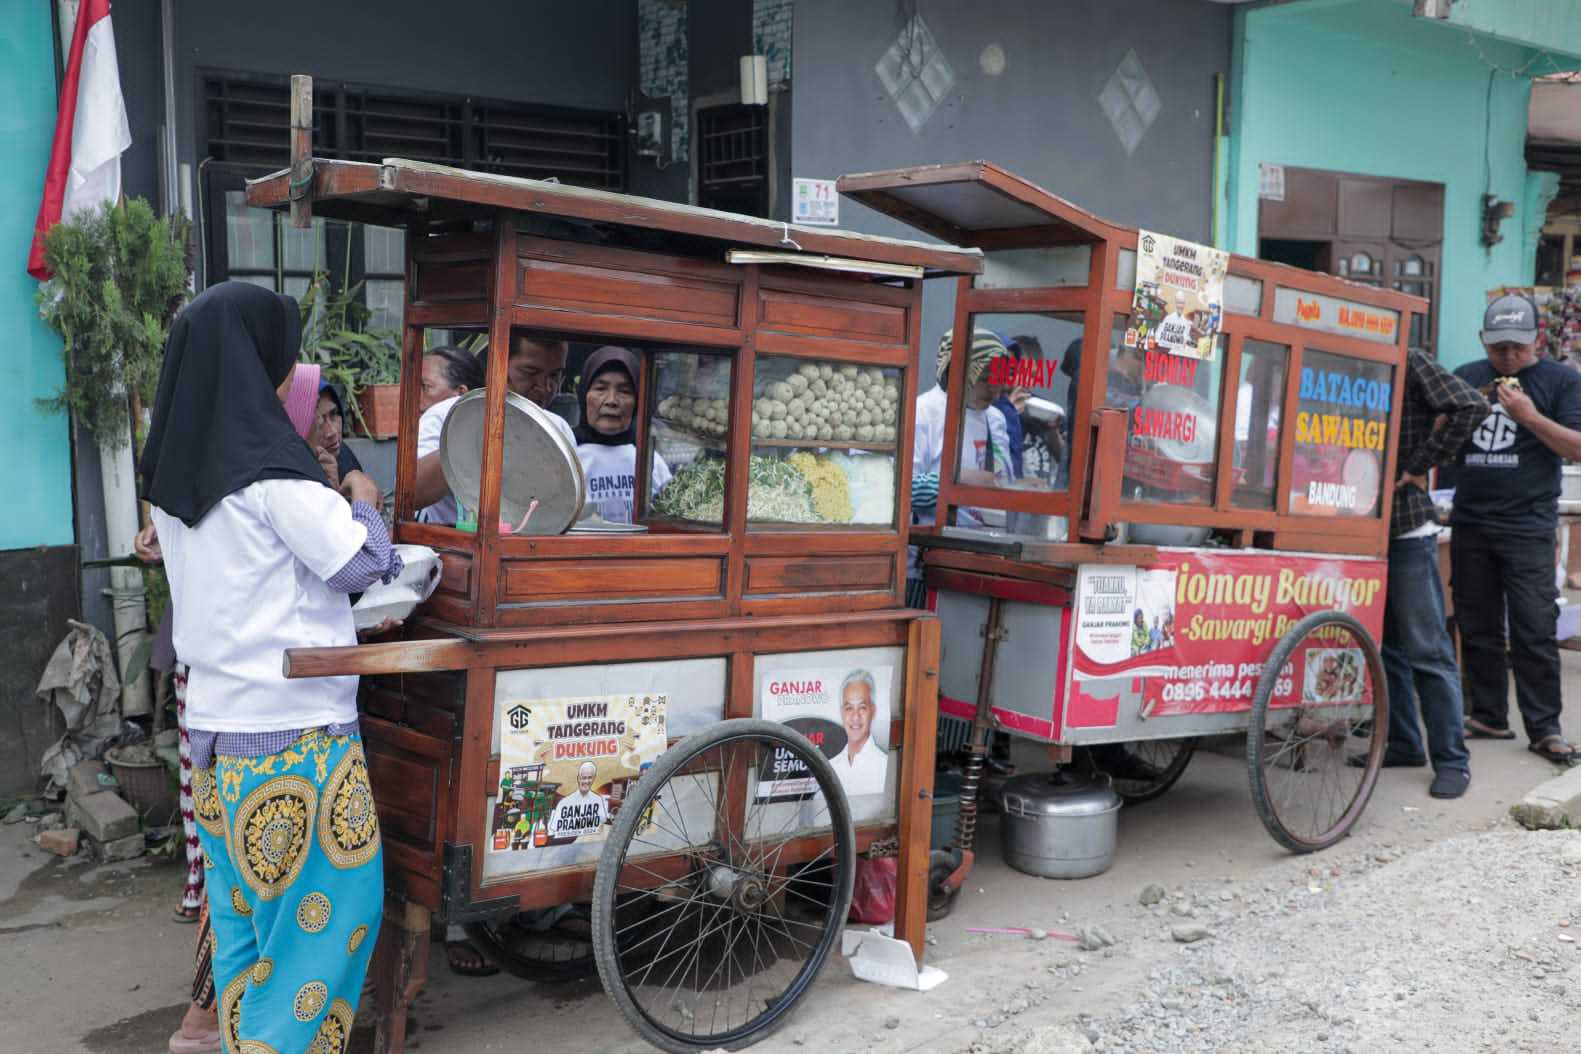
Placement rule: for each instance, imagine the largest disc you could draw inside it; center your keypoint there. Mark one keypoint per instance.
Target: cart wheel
(713, 912)
(551, 946)
(1142, 770)
(1306, 791)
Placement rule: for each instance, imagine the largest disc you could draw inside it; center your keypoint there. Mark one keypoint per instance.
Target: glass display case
(1172, 410)
(824, 441)
(689, 436)
(1258, 410)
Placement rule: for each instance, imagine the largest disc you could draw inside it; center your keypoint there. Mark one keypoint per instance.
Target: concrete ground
(95, 963)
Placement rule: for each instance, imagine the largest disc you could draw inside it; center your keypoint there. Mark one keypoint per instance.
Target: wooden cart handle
(401, 656)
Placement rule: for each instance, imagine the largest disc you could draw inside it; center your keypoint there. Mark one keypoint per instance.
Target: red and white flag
(91, 132)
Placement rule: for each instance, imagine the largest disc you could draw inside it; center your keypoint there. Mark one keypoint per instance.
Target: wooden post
(1108, 467)
(400, 967)
(301, 150)
(916, 784)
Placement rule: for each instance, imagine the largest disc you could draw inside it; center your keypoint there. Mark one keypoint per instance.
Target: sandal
(1555, 749)
(467, 961)
(185, 914)
(1478, 730)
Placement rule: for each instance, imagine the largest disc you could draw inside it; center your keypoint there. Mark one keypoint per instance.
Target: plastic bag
(873, 899)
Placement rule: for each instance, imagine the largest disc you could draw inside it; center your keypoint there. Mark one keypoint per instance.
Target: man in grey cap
(1505, 519)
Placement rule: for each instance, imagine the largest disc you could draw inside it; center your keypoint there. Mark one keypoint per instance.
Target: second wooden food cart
(1192, 541)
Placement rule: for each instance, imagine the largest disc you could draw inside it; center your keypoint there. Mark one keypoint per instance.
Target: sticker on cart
(1124, 613)
(844, 712)
(1334, 675)
(566, 765)
(1178, 304)
(1190, 633)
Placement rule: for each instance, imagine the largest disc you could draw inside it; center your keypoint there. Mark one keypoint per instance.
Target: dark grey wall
(559, 54)
(1040, 118)
(40, 595)
(579, 55)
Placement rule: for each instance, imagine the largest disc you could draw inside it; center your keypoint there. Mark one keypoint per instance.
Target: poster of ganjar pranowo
(566, 766)
(844, 712)
(1178, 306)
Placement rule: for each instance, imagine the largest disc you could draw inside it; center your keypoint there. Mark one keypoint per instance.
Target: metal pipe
(982, 732)
(167, 55)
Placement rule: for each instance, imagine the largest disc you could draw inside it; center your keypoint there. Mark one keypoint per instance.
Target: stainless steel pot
(1059, 826)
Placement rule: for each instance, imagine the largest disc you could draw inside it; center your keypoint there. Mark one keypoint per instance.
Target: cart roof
(976, 203)
(396, 191)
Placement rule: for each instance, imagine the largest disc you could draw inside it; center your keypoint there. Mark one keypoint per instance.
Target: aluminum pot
(1059, 825)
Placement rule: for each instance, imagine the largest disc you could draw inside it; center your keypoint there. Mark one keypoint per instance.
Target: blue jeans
(1417, 652)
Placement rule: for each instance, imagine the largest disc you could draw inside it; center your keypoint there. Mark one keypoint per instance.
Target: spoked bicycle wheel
(1143, 770)
(713, 911)
(1310, 778)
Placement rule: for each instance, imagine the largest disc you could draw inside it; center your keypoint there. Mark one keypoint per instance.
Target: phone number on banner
(1235, 684)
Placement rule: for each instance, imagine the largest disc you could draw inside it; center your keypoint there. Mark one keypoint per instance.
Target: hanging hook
(788, 240)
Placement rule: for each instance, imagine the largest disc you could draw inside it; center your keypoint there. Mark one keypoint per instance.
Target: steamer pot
(1059, 825)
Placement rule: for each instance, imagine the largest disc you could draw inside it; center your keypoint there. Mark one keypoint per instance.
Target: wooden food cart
(653, 670)
(1194, 543)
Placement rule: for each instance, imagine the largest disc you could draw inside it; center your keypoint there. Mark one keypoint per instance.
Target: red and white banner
(91, 131)
(1191, 632)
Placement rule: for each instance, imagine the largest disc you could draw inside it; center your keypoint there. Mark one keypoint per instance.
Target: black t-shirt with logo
(1506, 479)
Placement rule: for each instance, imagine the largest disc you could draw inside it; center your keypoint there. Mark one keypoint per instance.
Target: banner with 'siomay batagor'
(1195, 628)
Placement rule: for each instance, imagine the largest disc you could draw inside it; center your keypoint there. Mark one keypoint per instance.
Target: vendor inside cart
(606, 439)
(985, 442)
(535, 371)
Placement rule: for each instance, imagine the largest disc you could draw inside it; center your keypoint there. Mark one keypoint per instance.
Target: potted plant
(365, 362)
(118, 274)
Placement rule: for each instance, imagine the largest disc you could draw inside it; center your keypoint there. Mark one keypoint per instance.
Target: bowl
(398, 599)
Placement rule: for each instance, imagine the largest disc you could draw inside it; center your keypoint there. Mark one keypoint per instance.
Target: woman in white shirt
(261, 554)
(606, 441)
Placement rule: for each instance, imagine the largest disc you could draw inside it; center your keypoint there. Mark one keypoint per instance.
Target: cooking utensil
(539, 465)
(1172, 398)
(1061, 825)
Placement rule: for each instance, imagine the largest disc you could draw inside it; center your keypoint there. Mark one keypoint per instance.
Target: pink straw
(1019, 931)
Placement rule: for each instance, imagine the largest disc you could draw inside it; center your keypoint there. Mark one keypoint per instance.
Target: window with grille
(245, 133)
(733, 159)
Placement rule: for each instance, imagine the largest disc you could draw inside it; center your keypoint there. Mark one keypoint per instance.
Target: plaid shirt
(1430, 391)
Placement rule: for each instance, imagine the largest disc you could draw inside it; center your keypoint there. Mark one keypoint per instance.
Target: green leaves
(120, 273)
(335, 335)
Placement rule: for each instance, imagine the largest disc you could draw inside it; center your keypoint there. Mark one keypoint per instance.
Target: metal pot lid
(1059, 794)
(539, 463)
(1173, 398)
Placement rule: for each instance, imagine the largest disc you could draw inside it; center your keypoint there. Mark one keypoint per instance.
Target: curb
(1551, 805)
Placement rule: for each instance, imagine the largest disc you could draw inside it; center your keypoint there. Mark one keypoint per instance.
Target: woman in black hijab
(218, 424)
(606, 440)
(260, 554)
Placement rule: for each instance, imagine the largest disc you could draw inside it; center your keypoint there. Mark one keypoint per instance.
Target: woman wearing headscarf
(199, 1031)
(260, 553)
(606, 441)
(329, 431)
